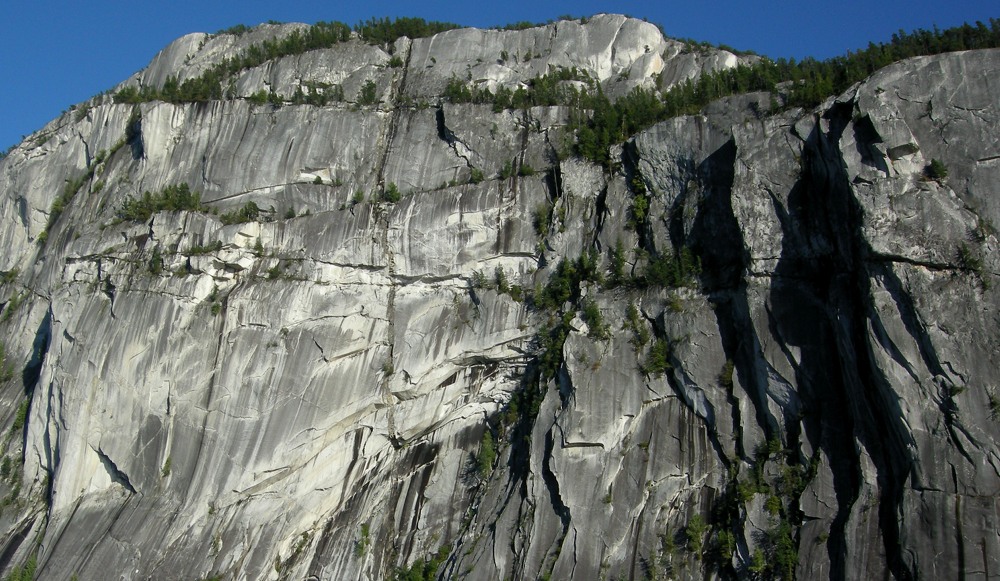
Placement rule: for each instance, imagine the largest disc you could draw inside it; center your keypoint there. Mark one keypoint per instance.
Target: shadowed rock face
(305, 396)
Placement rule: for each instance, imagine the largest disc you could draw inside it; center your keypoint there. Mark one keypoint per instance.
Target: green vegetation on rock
(213, 84)
(248, 213)
(171, 199)
(424, 569)
(598, 122)
(487, 454)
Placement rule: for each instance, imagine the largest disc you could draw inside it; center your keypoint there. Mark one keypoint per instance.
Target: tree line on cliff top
(597, 121)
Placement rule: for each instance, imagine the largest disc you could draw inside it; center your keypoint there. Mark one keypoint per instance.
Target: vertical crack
(394, 116)
(842, 280)
(216, 365)
(552, 485)
(32, 372)
(388, 367)
(959, 533)
(717, 240)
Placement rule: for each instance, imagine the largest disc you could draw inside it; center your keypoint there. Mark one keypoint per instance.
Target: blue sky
(57, 53)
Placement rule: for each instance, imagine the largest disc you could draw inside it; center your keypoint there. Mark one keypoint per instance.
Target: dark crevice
(564, 383)
(444, 134)
(39, 349)
(600, 215)
(22, 211)
(823, 210)
(554, 183)
(701, 179)
(877, 257)
(32, 372)
(114, 472)
(518, 163)
(717, 240)
(133, 135)
(14, 542)
(800, 315)
(865, 138)
(630, 167)
(959, 533)
(52, 452)
(741, 345)
(820, 302)
(552, 485)
(107, 288)
(715, 236)
(519, 435)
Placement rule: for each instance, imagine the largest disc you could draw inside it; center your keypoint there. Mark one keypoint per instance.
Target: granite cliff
(398, 334)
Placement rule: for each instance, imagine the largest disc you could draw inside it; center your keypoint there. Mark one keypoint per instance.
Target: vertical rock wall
(315, 393)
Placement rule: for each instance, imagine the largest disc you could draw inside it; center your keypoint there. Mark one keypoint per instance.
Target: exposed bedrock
(349, 383)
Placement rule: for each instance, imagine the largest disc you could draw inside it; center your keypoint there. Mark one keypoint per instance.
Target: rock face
(347, 386)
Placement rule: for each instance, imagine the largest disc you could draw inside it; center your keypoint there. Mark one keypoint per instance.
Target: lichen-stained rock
(398, 331)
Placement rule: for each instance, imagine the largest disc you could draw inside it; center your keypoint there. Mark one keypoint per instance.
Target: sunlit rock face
(361, 376)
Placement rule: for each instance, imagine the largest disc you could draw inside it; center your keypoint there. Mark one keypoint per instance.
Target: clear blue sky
(57, 53)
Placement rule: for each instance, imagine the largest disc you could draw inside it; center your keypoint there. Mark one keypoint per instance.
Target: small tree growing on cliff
(368, 94)
(391, 193)
(248, 213)
(487, 454)
(695, 534)
(936, 170)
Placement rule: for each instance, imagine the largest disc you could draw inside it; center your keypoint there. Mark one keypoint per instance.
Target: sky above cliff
(57, 53)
